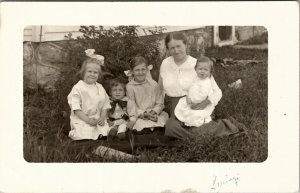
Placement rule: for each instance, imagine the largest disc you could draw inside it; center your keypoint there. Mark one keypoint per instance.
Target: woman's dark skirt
(176, 129)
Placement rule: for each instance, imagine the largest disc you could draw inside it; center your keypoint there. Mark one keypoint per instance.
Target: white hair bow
(90, 53)
(128, 73)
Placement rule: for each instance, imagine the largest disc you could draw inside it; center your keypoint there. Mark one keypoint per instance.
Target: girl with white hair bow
(89, 101)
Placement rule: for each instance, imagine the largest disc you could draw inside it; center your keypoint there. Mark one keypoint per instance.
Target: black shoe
(144, 131)
(112, 133)
(101, 137)
(121, 136)
(134, 131)
(158, 129)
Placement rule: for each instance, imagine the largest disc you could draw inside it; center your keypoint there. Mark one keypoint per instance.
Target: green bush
(117, 44)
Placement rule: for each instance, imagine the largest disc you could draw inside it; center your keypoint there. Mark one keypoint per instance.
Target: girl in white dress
(200, 89)
(89, 102)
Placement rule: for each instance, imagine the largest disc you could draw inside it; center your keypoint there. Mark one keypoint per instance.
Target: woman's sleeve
(216, 96)
(74, 99)
(159, 100)
(130, 95)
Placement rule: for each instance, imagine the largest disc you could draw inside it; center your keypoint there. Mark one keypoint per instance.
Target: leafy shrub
(117, 44)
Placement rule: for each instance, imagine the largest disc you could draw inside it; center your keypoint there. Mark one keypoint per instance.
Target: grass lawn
(248, 105)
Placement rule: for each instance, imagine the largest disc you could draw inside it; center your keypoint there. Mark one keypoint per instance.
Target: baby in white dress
(200, 89)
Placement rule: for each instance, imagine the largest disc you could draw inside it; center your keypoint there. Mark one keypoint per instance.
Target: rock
(110, 153)
(49, 53)
(236, 85)
(42, 65)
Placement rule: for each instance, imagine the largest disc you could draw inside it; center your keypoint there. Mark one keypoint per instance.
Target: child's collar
(133, 82)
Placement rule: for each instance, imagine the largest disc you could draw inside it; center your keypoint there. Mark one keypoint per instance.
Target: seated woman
(177, 74)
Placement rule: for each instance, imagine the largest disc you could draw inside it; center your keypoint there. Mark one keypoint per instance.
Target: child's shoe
(101, 137)
(145, 131)
(121, 136)
(112, 133)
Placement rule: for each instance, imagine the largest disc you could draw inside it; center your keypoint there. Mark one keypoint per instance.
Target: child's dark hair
(115, 82)
(84, 64)
(137, 61)
(202, 59)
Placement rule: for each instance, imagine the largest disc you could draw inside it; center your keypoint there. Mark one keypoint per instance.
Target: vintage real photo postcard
(150, 97)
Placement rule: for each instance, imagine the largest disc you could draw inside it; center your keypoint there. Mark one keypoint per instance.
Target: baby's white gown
(199, 91)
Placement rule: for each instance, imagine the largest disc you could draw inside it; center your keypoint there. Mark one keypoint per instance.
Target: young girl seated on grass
(147, 95)
(89, 102)
(118, 116)
(200, 89)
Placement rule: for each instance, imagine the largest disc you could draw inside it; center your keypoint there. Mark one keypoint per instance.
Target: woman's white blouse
(176, 80)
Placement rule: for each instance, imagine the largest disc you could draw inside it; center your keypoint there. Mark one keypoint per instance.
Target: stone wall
(246, 32)
(198, 40)
(43, 62)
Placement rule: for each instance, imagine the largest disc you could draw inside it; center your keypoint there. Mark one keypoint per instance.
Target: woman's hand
(200, 106)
